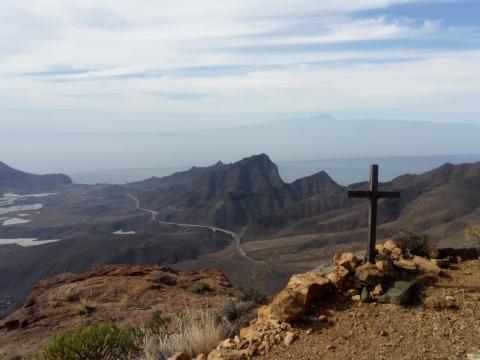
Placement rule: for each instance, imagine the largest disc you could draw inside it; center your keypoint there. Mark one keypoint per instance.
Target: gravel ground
(385, 331)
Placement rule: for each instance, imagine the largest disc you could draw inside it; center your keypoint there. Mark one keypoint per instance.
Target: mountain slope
(228, 195)
(12, 179)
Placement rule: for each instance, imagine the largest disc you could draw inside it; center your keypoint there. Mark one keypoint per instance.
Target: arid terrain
(387, 331)
(267, 229)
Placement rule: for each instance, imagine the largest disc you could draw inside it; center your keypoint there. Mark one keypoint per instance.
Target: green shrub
(158, 324)
(418, 243)
(98, 342)
(202, 288)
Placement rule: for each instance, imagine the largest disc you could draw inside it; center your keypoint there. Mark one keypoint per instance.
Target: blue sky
(166, 65)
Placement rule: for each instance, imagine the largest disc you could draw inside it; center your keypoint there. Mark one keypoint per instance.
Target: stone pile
(391, 279)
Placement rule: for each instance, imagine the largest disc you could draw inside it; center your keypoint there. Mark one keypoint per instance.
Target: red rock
(338, 276)
(390, 245)
(386, 267)
(348, 260)
(302, 290)
(368, 274)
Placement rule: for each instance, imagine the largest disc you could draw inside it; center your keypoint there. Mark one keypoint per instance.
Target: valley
(240, 217)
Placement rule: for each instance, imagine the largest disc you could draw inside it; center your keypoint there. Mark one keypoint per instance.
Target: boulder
(368, 274)
(386, 267)
(390, 245)
(302, 290)
(377, 290)
(226, 354)
(348, 260)
(249, 333)
(200, 357)
(179, 356)
(290, 337)
(425, 266)
(381, 250)
(338, 276)
(409, 266)
(396, 253)
(288, 306)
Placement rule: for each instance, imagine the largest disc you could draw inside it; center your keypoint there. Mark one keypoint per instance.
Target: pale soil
(379, 331)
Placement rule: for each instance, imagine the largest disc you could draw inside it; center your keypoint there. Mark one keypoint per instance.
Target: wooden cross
(373, 195)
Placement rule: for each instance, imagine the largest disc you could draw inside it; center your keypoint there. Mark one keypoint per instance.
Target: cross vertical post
(372, 195)
(372, 214)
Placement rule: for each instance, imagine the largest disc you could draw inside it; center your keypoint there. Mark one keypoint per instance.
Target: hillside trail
(236, 237)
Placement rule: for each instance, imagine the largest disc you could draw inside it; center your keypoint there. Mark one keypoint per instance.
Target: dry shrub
(237, 313)
(194, 332)
(69, 295)
(418, 243)
(85, 307)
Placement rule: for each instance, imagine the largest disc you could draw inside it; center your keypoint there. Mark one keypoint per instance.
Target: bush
(158, 324)
(237, 313)
(202, 288)
(85, 307)
(418, 244)
(473, 233)
(193, 333)
(254, 296)
(69, 295)
(98, 342)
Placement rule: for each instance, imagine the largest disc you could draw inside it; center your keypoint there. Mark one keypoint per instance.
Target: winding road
(236, 237)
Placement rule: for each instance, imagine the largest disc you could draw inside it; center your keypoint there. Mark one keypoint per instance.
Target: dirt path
(236, 237)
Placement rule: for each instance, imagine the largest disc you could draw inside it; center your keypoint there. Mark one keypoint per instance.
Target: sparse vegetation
(473, 233)
(69, 295)
(158, 324)
(98, 342)
(85, 307)
(124, 302)
(418, 243)
(254, 296)
(236, 312)
(202, 288)
(194, 332)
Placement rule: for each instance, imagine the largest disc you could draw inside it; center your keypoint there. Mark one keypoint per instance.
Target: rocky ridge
(124, 294)
(355, 296)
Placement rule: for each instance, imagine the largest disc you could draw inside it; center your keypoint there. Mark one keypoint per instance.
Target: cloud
(233, 57)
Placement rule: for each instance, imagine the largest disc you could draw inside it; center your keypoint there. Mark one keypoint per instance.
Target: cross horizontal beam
(372, 195)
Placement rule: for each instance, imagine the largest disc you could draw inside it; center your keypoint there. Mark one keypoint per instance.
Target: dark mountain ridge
(229, 195)
(12, 179)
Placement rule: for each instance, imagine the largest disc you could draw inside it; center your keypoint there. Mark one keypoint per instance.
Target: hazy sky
(161, 64)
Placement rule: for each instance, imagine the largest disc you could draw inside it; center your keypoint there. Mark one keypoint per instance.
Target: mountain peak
(319, 182)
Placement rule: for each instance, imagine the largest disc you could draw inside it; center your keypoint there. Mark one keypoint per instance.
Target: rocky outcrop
(392, 279)
(124, 294)
(302, 291)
